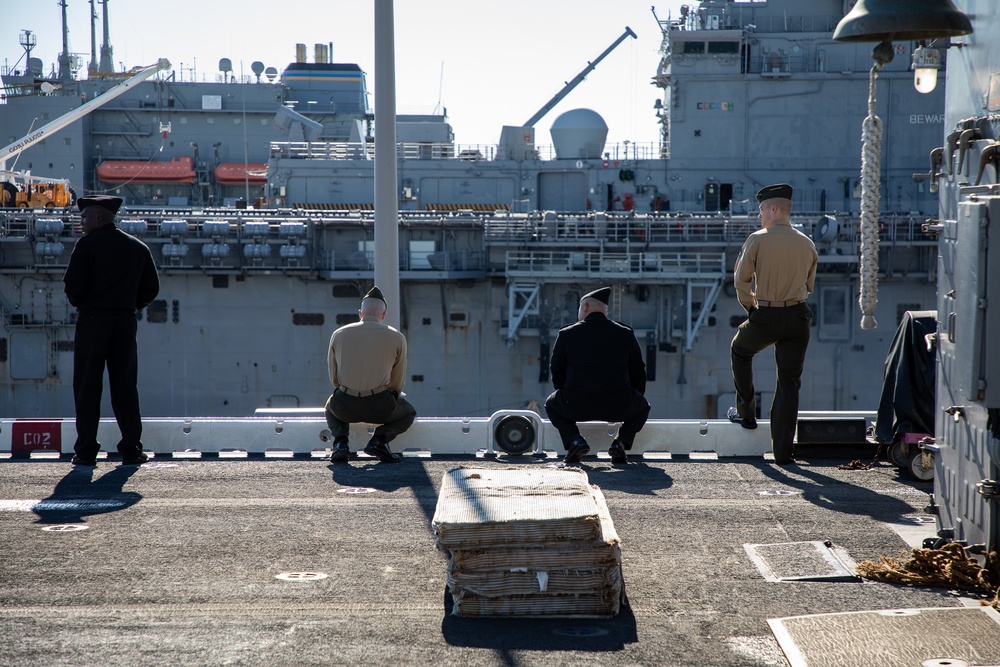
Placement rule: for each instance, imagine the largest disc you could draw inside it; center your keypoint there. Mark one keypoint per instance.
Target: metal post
(386, 204)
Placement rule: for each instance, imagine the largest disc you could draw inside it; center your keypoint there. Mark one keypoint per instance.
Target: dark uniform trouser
(393, 413)
(788, 330)
(566, 408)
(106, 338)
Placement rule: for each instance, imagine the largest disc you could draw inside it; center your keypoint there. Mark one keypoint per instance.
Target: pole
(386, 203)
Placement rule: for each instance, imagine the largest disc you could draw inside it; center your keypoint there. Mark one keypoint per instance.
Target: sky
(489, 63)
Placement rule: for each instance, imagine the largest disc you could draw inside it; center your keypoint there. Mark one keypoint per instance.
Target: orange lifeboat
(178, 170)
(237, 172)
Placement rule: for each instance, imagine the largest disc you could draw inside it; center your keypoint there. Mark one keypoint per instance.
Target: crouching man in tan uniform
(367, 361)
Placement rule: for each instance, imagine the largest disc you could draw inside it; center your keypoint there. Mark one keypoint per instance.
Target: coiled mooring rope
(948, 566)
(871, 155)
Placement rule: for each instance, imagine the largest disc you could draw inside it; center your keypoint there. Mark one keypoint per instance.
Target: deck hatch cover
(886, 638)
(801, 561)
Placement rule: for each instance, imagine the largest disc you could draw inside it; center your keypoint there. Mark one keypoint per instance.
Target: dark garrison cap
(602, 295)
(783, 190)
(374, 293)
(104, 201)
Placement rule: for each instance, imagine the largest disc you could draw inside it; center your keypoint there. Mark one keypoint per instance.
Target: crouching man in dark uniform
(598, 374)
(367, 361)
(110, 276)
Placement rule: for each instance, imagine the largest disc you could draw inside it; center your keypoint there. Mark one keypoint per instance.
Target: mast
(65, 71)
(92, 67)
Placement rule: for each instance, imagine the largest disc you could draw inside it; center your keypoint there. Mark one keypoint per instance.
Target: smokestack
(107, 55)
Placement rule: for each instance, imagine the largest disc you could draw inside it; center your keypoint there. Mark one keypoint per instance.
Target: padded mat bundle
(528, 542)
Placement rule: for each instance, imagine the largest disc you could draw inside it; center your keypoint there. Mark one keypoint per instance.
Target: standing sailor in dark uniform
(774, 275)
(367, 362)
(110, 276)
(598, 374)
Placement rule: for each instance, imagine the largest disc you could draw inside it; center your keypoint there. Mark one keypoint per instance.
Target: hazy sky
(489, 63)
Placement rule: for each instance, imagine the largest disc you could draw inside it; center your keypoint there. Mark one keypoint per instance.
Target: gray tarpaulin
(528, 542)
(908, 393)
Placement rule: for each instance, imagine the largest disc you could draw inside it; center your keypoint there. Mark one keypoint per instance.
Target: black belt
(365, 392)
(779, 304)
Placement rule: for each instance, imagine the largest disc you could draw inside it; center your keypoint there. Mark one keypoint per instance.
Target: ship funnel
(321, 53)
(300, 53)
(902, 20)
(579, 133)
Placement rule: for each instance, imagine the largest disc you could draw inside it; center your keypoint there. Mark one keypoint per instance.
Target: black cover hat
(783, 190)
(603, 295)
(104, 201)
(375, 293)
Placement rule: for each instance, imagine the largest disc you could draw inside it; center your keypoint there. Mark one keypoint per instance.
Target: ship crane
(14, 149)
(547, 107)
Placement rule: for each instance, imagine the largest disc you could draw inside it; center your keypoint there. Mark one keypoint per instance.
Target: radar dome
(580, 133)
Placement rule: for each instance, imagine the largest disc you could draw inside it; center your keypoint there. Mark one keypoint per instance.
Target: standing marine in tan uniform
(774, 274)
(367, 361)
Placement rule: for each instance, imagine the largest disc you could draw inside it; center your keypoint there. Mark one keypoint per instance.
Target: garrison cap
(374, 293)
(783, 190)
(104, 201)
(603, 295)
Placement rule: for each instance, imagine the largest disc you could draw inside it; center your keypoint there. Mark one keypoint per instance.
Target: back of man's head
(372, 306)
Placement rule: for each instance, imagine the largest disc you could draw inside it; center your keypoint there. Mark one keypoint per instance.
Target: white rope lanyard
(871, 155)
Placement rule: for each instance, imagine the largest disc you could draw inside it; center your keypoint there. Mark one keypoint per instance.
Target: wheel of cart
(907, 452)
(920, 462)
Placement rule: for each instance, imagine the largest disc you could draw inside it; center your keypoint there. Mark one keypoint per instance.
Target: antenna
(440, 88)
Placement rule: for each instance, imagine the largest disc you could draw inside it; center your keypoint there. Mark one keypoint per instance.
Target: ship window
(834, 312)
(308, 319)
(210, 121)
(156, 312)
(237, 120)
(346, 318)
(692, 47)
(724, 47)
(348, 291)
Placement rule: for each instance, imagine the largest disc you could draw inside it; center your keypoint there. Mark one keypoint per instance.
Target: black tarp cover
(908, 392)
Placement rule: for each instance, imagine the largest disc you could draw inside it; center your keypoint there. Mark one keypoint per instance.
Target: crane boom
(13, 150)
(578, 78)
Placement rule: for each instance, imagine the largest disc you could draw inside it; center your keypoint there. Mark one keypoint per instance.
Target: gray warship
(265, 245)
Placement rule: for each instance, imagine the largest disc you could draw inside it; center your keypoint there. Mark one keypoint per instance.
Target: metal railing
(679, 265)
(341, 150)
